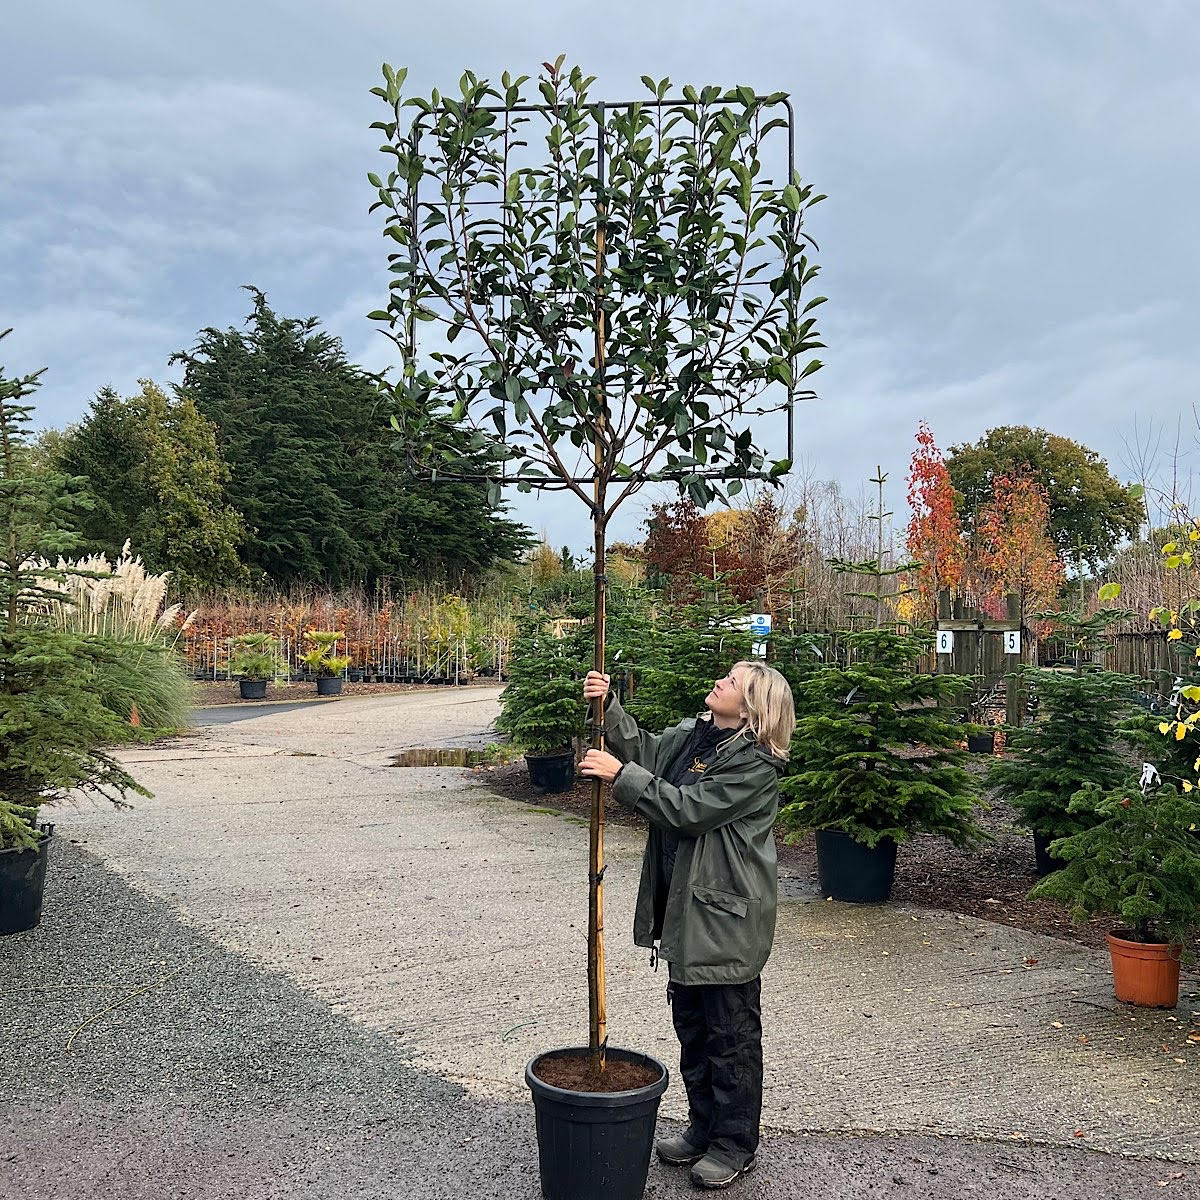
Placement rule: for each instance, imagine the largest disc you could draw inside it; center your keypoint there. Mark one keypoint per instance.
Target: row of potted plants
(255, 661)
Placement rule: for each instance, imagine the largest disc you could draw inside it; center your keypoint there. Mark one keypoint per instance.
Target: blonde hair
(770, 708)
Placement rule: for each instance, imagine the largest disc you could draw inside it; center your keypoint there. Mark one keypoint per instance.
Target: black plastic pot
(329, 687)
(850, 871)
(1045, 862)
(355, 675)
(23, 884)
(551, 773)
(982, 743)
(253, 689)
(596, 1145)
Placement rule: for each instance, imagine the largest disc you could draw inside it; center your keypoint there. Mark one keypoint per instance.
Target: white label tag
(945, 641)
(1012, 641)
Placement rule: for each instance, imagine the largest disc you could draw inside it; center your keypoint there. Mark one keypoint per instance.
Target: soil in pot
(572, 1070)
(595, 1145)
(550, 774)
(23, 885)
(1144, 973)
(253, 689)
(848, 870)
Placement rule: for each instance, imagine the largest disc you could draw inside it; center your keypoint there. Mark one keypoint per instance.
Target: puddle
(440, 757)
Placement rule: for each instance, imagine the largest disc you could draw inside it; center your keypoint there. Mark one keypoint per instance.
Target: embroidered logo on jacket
(698, 767)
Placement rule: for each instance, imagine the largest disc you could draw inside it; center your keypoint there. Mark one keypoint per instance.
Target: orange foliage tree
(935, 538)
(1014, 549)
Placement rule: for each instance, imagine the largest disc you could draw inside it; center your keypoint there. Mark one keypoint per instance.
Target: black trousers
(719, 1027)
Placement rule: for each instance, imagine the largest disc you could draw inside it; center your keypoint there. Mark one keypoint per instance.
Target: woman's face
(726, 700)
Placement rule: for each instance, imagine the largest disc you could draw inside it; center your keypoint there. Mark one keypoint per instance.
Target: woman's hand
(595, 686)
(599, 764)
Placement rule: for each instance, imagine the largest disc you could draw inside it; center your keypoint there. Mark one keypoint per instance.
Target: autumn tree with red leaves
(1014, 549)
(935, 537)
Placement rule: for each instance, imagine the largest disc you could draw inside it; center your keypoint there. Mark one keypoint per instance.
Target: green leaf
(512, 389)
(1110, 591)
(1136, 491)
(791, 198)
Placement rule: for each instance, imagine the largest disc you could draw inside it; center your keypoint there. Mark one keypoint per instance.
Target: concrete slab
(452, 922)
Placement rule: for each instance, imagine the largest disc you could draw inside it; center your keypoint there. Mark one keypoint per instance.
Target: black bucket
(982, 743)
(551, 773)
(596, 1145)
(253, 689)
(1046, 863)
(329, 687)
(850, 871)
(23, 884)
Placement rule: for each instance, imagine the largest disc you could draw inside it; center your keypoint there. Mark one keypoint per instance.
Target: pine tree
(877, 748)
(1074, 741)
(541, 709)
(53, 725)
(1138, 859)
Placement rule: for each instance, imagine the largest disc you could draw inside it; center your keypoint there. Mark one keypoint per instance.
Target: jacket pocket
(727, 902)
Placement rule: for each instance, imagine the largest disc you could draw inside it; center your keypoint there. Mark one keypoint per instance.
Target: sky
(1010, 236)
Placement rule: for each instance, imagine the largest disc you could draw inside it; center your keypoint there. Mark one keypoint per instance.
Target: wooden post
(597, 1011)
(1014, 690)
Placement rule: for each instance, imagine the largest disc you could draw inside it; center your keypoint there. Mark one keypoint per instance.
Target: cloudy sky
(1010, 235)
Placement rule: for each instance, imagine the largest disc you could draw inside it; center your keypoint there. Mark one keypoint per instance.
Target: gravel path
(223, 1080)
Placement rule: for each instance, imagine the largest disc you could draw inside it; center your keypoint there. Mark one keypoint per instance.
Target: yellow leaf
(1195, 535)
(1175, 635)
(1190, 693)
(1170, 548)
(1164, 727)
(1180, 732)
(1187, 787)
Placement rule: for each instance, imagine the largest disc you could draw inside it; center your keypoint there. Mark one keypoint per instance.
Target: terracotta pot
(1144, 973)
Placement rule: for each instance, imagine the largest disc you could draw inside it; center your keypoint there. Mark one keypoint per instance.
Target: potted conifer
(254, 661)
(879, 760)
(1138, 859)
(1073, 742)
(321, 660)
(540, 709)
(54, 723)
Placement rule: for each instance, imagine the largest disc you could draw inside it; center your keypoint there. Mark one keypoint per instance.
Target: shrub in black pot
(325, 665)
(254, 661)
(54, 722)
(1073, 743)
(541, 709)
(879, 760)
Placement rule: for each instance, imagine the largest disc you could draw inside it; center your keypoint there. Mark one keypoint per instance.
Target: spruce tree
(53, 725)
(877, 748)
(1138, 858)
(1073, 742)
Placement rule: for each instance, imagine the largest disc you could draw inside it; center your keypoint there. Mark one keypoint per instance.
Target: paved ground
(355, 1023)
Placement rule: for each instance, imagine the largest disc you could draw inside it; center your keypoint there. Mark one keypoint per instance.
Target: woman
(709, 787)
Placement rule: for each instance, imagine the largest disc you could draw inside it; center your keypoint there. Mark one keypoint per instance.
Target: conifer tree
(53, 724)
(1138, 858)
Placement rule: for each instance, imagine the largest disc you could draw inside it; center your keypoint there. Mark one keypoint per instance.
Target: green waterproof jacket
(716, 922)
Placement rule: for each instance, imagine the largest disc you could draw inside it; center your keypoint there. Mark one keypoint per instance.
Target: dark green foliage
(1138, 859)
(52, 721)
(314, 473)
(1072, 743)
(877, 749)
(542, 709)
(679, 652)
(157, 479)
(1090, 511)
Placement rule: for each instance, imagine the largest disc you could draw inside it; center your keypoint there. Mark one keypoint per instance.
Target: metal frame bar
(601, 108)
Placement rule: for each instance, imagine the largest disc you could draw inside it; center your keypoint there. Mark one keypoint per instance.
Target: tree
(1014, 552)
(614, 313)
(53, 725)
(935, 536)
(325, 498)
(158, 481)
(878, 751)
(1090, 511)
